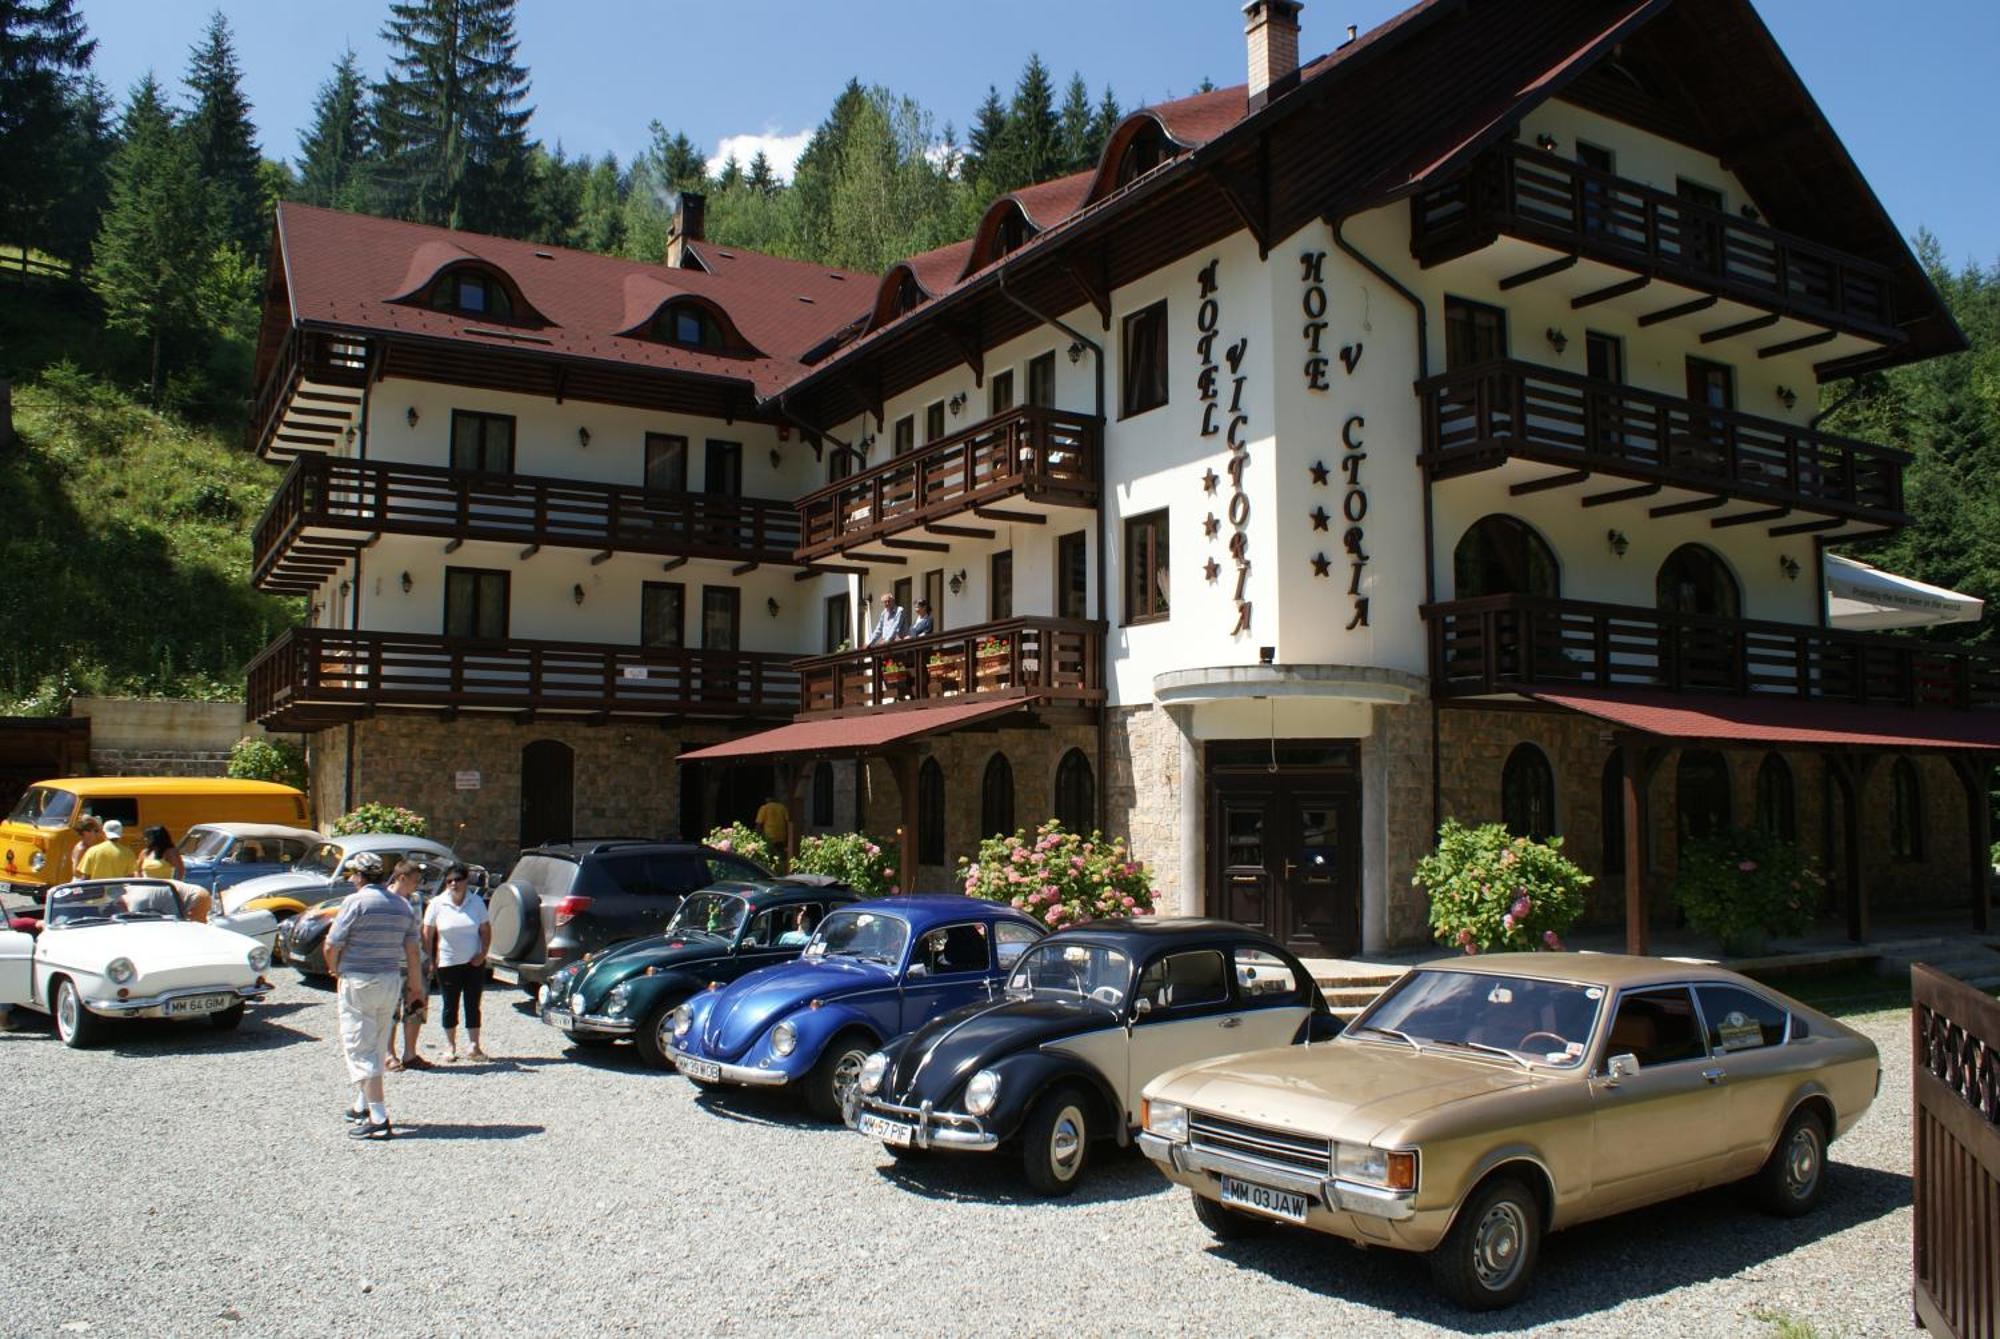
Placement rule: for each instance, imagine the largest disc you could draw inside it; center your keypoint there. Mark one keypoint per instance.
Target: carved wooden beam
(965, 339)
(1241, 192)
(1091, 279)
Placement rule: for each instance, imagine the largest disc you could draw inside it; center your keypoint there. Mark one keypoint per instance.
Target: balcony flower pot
(943, 674)
(994, 664)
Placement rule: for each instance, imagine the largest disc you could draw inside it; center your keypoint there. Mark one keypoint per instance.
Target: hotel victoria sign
(1354, 499)
(1208, 318)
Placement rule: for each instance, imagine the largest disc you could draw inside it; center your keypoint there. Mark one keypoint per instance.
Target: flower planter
(994, 670)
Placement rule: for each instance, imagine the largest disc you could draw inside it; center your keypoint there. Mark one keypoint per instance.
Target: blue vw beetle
(872, 971)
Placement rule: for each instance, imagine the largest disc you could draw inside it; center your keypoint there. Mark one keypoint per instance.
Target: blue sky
(1912, 92)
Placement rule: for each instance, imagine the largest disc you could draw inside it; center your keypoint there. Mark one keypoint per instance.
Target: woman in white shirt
(458, 935)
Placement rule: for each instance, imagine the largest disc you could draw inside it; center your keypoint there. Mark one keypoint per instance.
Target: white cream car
(125, 948)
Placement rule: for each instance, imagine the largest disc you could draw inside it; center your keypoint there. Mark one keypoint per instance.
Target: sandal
(477, 1054)
(418, 1062)
(450, 1057)
(393, 1065)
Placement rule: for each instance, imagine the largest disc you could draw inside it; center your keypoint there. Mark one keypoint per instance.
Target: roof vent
(545, 255)
(804, 298)
(1271, 28)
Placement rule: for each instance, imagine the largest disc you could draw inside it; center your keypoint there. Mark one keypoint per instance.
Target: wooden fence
(1955, 1158)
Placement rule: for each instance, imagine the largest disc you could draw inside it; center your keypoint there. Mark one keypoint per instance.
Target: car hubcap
(1066, 1144)
(847, 1077)
(1802, 1162)
(663, 1035)
(66, 1007)
(1496, 1247)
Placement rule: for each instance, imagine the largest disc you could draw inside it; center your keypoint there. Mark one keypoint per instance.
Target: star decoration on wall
(1209, 481)
(1319, 518)
(1213, 570)
(1319, 472)
(1321, 564)
(1211, 527)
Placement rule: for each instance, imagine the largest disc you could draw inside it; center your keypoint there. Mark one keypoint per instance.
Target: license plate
(1263, 1199)
(561, 1018)
(706, 1070)
(199, 1004)
(888, 1131)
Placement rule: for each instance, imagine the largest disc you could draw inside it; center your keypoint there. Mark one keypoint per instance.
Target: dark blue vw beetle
(873, 971)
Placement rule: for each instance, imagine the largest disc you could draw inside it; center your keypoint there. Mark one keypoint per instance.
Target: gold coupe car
(1481, 1102)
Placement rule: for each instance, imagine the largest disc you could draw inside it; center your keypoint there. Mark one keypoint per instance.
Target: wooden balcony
(1053, 660)
(1480, 417)
(326, 509)
(312, 396)
(1030, 453)
(313, 677)
(1525, 644)
(1527, 193)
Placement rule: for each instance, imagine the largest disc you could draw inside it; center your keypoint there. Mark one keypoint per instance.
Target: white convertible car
(128, 948)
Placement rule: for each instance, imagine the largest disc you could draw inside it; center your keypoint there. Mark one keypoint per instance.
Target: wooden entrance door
(1285, 846)
(548, 792)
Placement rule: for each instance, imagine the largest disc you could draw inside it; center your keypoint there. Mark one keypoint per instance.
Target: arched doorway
(1701, 793)
(1528, 794)
(1504, 555)
(548, 792)
(1076, 792)
(1695, 580)
(996, 797)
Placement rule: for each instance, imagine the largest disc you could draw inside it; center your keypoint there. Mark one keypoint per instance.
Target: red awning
(853, 734)
(1784, 720)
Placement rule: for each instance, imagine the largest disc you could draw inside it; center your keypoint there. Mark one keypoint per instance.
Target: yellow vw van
(36, 839)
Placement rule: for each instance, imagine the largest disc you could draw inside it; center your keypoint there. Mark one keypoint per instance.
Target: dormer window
(1149, 148)
(690, 325)
(1010, 234)
(909, 294)
(471, 293)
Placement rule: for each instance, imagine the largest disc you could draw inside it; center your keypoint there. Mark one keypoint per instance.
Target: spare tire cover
(513, 914)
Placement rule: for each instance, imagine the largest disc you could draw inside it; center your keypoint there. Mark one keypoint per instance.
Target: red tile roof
(1780, 720)
(853, 734)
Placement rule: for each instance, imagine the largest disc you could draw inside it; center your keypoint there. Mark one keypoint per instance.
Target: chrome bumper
(155, 1006)
(745, 1074)
(1336, 1195)
(935, 1129)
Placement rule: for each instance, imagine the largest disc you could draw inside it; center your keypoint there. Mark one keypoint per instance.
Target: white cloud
(782, 150)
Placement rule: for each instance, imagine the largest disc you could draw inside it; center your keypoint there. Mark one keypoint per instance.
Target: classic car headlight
(784, 1038)
(618, 998)
(1168, 1120)
(38, 861)
(981, 1092)
(1376, 1167)
(120, 970)
(260, 957)
(683, 1020)
(873, 1070)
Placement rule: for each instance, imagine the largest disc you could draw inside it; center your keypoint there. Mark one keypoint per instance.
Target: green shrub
(1059, 877)
(1741, 887)
(855, 858)
(378, 817)
(261, 758)
(1490, 890)
(738, 839)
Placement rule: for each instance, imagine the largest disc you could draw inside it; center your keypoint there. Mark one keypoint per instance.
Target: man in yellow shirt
(775, 822)
(108, 859)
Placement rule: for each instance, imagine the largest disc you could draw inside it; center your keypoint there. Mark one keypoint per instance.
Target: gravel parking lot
(184, 1181)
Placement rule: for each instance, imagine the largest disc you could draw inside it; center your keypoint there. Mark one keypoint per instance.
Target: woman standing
(458, 935)
(161, 859)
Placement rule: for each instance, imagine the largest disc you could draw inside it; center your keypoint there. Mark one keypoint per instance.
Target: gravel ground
(183, 1181)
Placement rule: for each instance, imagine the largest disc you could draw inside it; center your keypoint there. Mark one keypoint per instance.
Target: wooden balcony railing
(314, 676)
(282, 421)
(1046, 454)
(1521, 643)
(1534, 195)
(1479, 416)
(320, 494)
(1055, 659)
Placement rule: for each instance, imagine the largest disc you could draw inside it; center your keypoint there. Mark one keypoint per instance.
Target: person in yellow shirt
(775, 822)
(108, 859)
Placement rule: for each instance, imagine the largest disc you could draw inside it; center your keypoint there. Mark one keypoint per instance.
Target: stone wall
(159, 762)
(1142, 797)
(1401, 740)
(131, 736)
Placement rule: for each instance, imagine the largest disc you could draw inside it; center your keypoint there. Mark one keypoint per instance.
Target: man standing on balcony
(920, 626)
(889, 626)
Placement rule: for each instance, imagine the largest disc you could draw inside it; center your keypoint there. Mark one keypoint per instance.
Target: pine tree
(601, 223)
(1109, 114)
(556, 194)
(1030, 151)
(989, 126)
(761, 178)
(731, 175)
(225, 143)
(1073, 133)
(810, 233)
(44, 52)
(334, 153)
(86, 146)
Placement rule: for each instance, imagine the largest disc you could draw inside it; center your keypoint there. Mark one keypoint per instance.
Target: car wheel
(1225, 1224)
(75, 1024)
(834, 1079)
(1487, 1258)
(1794, 1176)
(656, 1034)
(1055, 1140)
(227, 1020)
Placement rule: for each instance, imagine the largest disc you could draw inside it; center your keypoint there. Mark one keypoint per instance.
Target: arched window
(909, 293)
(1777, 808)
(1701, 793)
(1148, 149)
(1528, 794)
(1906, 812)
(822, 810)
(1009, 232)
(1611, 802)
(1504, 555)
(996, 797)
(689, 324)
(1076, 792)
(471, 293)
(1695, 580)
(930, 813)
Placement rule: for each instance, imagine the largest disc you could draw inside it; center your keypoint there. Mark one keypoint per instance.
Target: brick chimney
(1272, 30)
(690, 213)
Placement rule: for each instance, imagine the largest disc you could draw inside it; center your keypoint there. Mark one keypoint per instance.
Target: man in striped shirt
(372, 949)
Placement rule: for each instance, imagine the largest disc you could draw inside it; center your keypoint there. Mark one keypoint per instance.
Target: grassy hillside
(124, 532)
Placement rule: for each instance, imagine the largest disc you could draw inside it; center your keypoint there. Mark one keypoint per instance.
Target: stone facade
(1142, 798)
(1401, 746)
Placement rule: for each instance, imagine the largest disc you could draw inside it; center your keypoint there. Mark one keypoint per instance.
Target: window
(1777, 811)
(1701, 793)
(1706, 197)
(1473, 333)
(1000, 586)
(663, 614)
(722, 472)
(1528, 794)
(1000, 392)
(1906, 812)
(996, 797)
(1595, 159)
(1694, 580)
(839, 630)
(1142, 356)
(690, 324)
(1185, 980)
(934, 422)
(1503, 555)
(1042, 380)
(1711, 385)
(904, 435)
(482, 443)
(933, 599)
(903, 588)
(1076, 793)
(123, 808)
(822, 798)
(1260, 972)
(1739, 1021)
(721, 618)
(475, 603)
(952, 948)
(1011, 939)
(909, 293)
(1604, 357)
(666, 462)
(1146, 582)
(1658, 1027)
(1072, 576)
(1148, 149)
(1611, 804)
(930, 813)
(839, 464)
(472, 293)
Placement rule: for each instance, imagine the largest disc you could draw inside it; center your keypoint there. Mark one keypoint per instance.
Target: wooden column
(903, 763)
(1637, 761)
(1850, 776)
(1973, 770)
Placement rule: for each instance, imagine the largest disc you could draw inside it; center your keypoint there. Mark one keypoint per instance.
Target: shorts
(367, 1013)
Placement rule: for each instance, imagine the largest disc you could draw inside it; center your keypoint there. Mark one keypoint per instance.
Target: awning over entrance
(1862, 597)
(1784, 720)
(852, 734)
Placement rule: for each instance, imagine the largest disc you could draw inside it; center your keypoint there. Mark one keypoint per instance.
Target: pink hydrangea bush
(1742, 887)
(1059, 877)
(1491, 891)
(862, 862)
(741, 839)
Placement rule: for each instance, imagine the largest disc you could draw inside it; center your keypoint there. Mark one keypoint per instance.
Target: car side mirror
(1141, 1007)
(1624, 1065)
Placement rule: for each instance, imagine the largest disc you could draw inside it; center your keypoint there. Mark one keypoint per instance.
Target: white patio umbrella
(1865, 598)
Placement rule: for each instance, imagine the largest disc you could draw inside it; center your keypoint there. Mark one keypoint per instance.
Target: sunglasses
(456, 878)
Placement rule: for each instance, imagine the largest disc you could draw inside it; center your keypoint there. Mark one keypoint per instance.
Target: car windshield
(122, 899)
(44, 807)
(324, 862)
(1525, 1019)
(204, 844)
(1102, 974)
(718, 914)
(860, 934)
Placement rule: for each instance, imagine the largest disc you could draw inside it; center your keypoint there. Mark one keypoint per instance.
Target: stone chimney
(1272, 30)
(690, 213)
